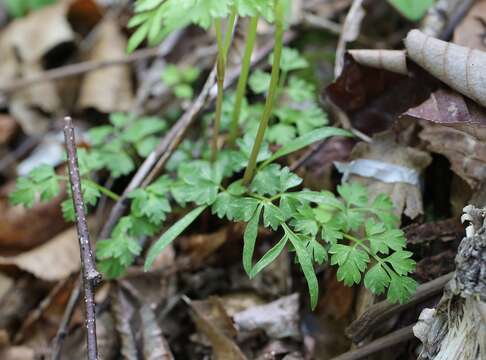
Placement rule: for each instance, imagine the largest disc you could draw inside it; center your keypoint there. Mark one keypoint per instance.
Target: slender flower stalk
(223, 48)
(267, 111)
(242, 81)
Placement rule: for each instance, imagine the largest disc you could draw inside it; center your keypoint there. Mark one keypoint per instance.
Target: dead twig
(379, 312)
(78, 69)
(383, 343)
(62, 332)
(88, 268)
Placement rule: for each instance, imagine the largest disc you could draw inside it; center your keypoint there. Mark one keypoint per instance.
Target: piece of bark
(456, 329)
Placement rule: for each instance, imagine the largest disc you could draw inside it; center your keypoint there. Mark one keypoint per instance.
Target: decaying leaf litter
(375, 141)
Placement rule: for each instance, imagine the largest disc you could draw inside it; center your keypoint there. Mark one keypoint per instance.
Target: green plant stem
(267, 112)
(243, 80)
(102, 189)
(229, 30)
(220, 67)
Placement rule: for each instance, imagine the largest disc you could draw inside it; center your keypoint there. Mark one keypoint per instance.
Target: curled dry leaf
(212, 320)
(52, 261)
(278, 319)
(108, 89)
(462, 68)
(390, 60)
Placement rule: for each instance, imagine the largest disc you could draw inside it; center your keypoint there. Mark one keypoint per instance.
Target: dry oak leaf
(52, 261)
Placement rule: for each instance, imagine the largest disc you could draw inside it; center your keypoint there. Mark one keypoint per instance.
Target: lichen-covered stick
(90, 275)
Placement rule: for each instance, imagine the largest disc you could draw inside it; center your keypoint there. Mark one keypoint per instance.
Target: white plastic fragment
(385, 172)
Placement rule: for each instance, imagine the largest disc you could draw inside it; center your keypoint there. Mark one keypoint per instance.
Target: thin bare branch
(383, 343)
(88, 268)
(78, 69)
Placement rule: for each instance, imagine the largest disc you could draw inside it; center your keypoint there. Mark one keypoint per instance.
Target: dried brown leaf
(52, 261)
(463, 145)
(108, 89)
(24, 47)
(374, 98)
(22, 228)
(212, 321)
(446, 106)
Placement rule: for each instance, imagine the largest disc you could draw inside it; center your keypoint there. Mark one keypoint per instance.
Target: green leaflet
(249, 240)
(171, 234)
(306, 265)
(413, 10)
(269, 257)
(304, 141)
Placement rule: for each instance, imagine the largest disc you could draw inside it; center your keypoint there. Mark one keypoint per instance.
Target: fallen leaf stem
(88, 268)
